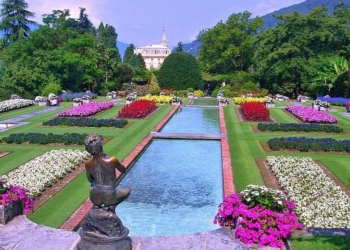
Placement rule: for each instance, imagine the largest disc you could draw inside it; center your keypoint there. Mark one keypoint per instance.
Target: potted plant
(42, 101)
(114, 94)
(52, 99)
(109, 95)
(190, 95)
(270, 102)
(347, 107)
(86, 99)
(175, 100)
(223, 101)
(316, 104)
(13, 200)
(77, 102)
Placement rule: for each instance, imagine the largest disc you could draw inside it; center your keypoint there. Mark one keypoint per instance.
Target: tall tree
(15, 20)
(289, 54)
(179, 47)
(229, 46)
(342, 36)
(128, 53)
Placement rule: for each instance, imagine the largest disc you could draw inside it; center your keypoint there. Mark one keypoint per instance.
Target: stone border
(4, 153)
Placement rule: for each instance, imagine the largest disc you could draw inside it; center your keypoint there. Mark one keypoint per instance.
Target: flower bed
(86, 122)
(260, 215)
(15, 104)
(38, 138)
(87, 109)
(45, 169)
(299, 127)
(308, 114)
(319, 201)
(305, 144)
(157, 99)
(137, 109)
(241, 100)
(255, 111)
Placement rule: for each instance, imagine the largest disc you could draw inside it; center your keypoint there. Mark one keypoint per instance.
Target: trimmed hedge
(299, 127)
(305, 144)
(38, 138)
(86, 122)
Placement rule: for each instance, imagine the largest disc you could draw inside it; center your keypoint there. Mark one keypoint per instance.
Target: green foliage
(229, 46)
(182, 93)
(52, 88)
(180, 71)
(215, 92)
(14, 20)
(128, 53)
(249, 86)
(153, 85)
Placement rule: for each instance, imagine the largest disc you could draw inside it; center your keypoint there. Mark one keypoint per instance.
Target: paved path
(17, 121)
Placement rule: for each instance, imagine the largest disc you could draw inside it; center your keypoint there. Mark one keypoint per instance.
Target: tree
(229, 46)
(342, 35)
(180, 71)
(15, 23)
(128, 53)
(287, 56)
(179, 47)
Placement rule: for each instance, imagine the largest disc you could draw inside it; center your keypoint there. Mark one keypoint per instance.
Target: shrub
(86, 122)
(299, 127)
(51, 88)
(39, 138)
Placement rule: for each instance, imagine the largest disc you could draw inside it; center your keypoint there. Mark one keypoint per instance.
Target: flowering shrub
(308, 114)
(39, 138)
(157, 99)
(241, 100)
(45, 169)
(10, 193)
(137, 109)
(86, 122)
(68, 97)
(319, 201)
(305, 144)
(306, 127)
(87, 109)
(336, 101)
(255, 111)
(15, 104)
(260, 215)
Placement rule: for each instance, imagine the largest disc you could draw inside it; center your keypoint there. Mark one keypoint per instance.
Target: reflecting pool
(176, 188)
(194, 120)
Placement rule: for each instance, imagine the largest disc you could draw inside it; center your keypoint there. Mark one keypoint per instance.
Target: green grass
(17, 112)
(321, 242)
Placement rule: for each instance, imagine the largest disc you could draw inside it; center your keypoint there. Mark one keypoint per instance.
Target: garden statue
(102, 228)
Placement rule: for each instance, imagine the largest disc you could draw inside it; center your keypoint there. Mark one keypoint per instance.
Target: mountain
(122, 47)
(271, 21)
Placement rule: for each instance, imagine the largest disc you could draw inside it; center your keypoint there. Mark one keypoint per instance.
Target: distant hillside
(122, 47)
(303, 8)
(271, 21)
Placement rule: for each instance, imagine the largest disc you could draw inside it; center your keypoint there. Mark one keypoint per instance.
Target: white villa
(154, 54)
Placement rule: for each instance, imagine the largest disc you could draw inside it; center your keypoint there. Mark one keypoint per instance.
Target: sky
(141, 22)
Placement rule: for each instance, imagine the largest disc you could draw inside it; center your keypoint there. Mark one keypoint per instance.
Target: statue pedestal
(103, 230)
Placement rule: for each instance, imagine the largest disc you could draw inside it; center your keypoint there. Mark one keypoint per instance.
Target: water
(176, 188)
(194, 120)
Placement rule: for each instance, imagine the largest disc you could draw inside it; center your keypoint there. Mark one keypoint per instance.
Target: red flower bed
(137, 109)
(255, 111)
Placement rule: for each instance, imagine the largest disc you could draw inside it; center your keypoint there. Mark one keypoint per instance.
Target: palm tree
(15, 22)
